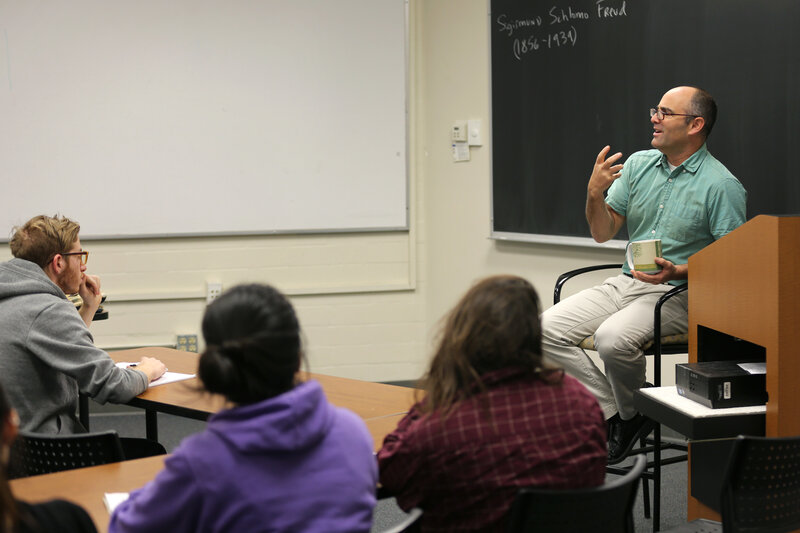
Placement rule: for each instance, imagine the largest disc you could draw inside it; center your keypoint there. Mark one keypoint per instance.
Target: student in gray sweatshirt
(47, 354)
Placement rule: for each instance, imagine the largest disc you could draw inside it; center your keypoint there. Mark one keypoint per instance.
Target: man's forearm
(602, 224)
(87, 314)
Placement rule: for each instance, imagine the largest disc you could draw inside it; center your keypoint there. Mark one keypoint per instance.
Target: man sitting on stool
(678, 193)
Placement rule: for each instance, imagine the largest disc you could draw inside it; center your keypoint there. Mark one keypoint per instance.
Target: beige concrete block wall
(354, 293)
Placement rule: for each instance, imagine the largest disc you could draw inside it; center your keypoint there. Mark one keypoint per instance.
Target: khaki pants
(619, 313)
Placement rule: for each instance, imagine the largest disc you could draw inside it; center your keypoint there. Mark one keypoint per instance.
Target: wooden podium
(746, 287)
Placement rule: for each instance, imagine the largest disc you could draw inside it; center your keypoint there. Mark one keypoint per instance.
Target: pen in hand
(153, 368)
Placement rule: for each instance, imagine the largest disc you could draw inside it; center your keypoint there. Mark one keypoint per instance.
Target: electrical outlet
(213, 289)
(187, 343)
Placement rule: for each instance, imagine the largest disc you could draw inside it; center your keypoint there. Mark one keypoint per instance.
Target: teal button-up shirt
(688, 208)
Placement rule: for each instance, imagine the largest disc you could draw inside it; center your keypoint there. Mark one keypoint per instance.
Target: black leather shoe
(610, 423)
(622, 434)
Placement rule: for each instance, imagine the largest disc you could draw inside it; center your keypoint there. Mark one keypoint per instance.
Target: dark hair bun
(253, 344)
(216, 369)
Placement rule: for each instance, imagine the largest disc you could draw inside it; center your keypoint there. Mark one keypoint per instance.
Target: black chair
(410, 524)
(604, 509)
(33, 454)
(670, 344)
(760, 489)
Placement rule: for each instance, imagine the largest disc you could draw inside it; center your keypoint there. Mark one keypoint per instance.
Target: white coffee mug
(642, 255)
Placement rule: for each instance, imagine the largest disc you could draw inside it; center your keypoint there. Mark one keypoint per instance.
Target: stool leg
(657, 478)
(645, 485)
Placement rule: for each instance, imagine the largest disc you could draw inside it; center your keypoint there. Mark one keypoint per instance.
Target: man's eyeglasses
(661, 113)
(84, 256)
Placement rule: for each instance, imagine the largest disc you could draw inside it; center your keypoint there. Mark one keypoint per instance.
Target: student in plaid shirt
(493, 418)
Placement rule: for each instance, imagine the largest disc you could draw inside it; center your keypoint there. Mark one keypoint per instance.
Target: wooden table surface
(380, 406)
(365, 398)
(86, 486)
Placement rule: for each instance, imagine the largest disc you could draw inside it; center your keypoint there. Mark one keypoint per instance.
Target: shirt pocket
(688, 222)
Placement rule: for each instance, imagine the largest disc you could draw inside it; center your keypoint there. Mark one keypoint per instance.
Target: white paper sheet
(168, 377)
(112, 499)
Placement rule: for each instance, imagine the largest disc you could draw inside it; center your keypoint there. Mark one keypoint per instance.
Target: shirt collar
(691, 164)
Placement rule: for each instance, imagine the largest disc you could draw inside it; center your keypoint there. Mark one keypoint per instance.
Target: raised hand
(604, 172)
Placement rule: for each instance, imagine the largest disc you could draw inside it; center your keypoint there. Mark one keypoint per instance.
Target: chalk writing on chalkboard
(554, 29)
(558, 98)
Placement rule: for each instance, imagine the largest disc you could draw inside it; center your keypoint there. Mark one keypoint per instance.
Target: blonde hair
(42, 237)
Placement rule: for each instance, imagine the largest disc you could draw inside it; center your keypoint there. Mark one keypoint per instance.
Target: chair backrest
(604, 509)
(411, 524)
(761, 488)
(33, 454)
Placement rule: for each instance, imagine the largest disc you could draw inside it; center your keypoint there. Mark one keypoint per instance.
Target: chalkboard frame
(626, 125)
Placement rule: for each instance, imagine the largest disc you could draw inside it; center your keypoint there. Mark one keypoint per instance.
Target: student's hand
(604, 172)
(152, 367)
(669, 272)
(89, 292)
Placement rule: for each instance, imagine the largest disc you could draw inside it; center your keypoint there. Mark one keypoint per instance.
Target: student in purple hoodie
(281, 458)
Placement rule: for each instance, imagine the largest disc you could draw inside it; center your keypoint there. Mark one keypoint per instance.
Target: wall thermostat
(459, 133)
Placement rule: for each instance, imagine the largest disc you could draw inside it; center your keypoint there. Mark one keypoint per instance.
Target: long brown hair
(8, 508)
(494, 326)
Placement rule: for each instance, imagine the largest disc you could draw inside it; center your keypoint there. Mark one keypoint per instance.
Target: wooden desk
(86, 486)
(381, 426)
(381, 406)
(368, 400)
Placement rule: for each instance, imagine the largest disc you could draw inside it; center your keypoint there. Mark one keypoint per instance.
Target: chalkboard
(203, 117)
(570, 77)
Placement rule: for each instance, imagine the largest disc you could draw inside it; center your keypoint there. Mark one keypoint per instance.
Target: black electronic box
(719, 384)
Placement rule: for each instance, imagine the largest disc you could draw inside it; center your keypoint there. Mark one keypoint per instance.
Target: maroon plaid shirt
(464, 471)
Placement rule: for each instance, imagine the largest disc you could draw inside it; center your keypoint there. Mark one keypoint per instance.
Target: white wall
(368, 302)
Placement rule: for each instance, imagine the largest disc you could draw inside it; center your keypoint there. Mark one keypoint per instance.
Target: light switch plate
(474, 137)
